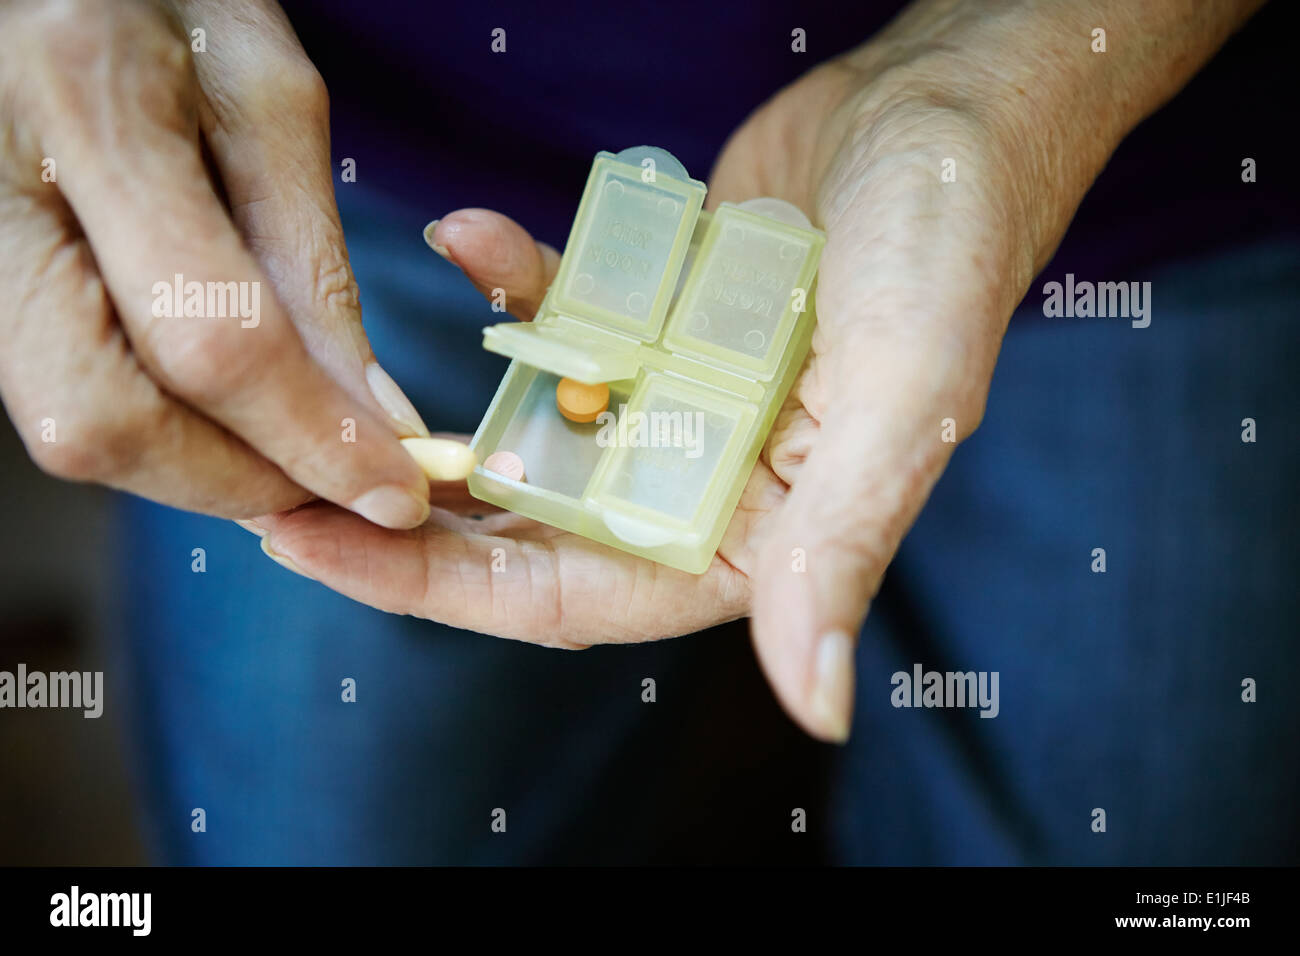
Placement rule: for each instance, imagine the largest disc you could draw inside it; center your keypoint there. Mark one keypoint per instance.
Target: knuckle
(205, 366)
(69, 459)
(66, 460)
(302, 86)
(336, 287)
(286, 87)
(976, 406)
(56, 35)
(77, 25)
(90, 64)
(91, 449)
(83, 33)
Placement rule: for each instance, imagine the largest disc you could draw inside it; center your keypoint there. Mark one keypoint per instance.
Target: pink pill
(506, 464)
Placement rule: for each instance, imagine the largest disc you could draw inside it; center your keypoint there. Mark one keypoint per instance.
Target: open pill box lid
(618, 273)
(567, 348)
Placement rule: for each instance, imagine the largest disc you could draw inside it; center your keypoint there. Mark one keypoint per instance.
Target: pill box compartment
(646, 477)
(667, 496)
(559, 455)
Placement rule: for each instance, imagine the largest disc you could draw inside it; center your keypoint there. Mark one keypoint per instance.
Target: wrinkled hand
(916, 283)
(944, 160)
(126, 159)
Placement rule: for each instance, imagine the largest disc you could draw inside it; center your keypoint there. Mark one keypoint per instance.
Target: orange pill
(581, 403)
(506, 464)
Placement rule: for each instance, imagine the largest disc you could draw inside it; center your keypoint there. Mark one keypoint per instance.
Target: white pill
(441, 458)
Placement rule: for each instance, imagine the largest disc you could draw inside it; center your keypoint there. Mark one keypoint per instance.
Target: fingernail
(392, 507)
(441, 458)
(281, 559)
(249, 525)
(393, 400)
(832, 696)
(428, 237)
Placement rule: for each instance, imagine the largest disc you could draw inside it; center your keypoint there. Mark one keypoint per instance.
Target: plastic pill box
(697, 322)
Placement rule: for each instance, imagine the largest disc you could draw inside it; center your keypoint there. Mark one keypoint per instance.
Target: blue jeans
(1118, 691)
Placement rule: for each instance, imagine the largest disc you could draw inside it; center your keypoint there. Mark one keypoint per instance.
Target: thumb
(878, 453)
(498, 256)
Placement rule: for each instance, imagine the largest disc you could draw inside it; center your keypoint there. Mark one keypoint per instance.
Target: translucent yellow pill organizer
(697, 322)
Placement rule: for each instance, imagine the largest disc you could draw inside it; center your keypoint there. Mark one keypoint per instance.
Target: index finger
(194, 303)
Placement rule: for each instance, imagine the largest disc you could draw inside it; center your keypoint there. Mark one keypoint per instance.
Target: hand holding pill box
(640, 396)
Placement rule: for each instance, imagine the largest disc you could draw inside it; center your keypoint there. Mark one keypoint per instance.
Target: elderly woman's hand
(180, 319)
(944, 160)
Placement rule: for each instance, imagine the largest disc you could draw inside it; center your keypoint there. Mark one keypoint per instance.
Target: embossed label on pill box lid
(626, 248)
(749, 281)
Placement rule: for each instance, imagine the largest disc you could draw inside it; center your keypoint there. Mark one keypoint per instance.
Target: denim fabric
(1118, 690)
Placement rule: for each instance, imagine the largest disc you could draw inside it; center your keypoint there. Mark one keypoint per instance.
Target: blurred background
(65, 791)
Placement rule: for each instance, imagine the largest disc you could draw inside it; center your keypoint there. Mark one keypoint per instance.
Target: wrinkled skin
(217, 166)
(916, 283)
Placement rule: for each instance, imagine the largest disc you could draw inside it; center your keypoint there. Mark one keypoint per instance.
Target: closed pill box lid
(751, 279)
(628, 241)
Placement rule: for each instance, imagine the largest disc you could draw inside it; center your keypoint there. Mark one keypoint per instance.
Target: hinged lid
(564, 350)
(628, 241)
